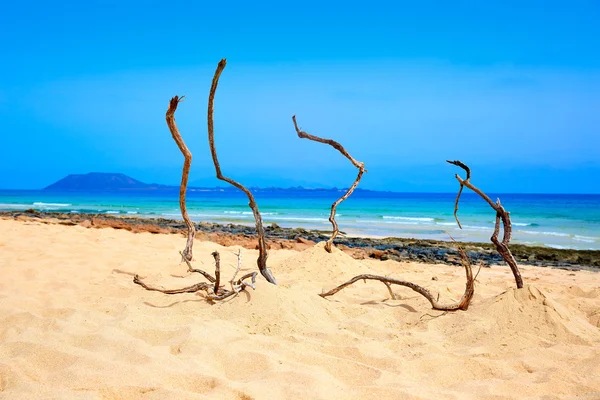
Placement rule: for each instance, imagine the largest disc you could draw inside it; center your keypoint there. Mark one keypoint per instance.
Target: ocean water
(553, 220)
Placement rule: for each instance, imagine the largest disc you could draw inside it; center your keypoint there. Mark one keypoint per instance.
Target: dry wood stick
(239, 265)
(189, 289)
(262, 247)
(240, 285)
(192, 269)
(462, 304)
(501, 214)
(187, 252)
(213, 291)
(357, 164)
(217, 257)
(389, 287)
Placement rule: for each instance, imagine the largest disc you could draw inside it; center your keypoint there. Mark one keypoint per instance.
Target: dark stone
(398, 249)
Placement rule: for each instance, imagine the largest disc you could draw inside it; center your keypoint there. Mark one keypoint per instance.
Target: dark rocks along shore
(399, 249)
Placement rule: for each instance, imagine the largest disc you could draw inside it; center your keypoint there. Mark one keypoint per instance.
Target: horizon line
(283, 188)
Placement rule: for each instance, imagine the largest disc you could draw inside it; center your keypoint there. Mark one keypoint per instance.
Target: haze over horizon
(98, 181)
(511, 89)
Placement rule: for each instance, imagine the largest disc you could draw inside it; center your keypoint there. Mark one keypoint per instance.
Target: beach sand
(73, 325)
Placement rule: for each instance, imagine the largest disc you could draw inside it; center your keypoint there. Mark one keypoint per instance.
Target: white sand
(74, 326)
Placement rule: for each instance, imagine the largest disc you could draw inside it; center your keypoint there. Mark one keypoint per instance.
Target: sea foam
(417, 219)
(42, 204)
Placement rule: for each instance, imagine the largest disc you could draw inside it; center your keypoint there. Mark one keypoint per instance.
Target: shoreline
(388, 248)
(562, 222)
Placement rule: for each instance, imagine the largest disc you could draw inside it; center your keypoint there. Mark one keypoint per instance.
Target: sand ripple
(73, 325)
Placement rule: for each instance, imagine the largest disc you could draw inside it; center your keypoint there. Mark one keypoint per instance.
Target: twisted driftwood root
(357, 164)
(187, 252)
(203, 273)
(262, 248)
(214, 292)
(462, 304)
(501, 214)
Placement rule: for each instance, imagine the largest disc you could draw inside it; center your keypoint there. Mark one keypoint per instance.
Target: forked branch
(462, 304)
(214, 292)
(203, 273)
(187, 252)
(357, 164)
(262, 247)
(501, 214)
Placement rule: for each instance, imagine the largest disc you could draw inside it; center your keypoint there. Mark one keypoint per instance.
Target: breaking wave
(42, 204)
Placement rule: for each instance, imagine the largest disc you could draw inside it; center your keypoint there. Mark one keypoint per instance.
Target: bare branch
(192, 269)
(478, 270)
(456, 205)
(501, 214)
(187, 252)
(217, 257)
(389, 287)
(467, 182)
(262, 248)
(239, 286)
(357, 164)
(189, 289)
(239, 265)
(462, 304)
(463, 166)
(214, 292)
(241, 282)
(332, 143)
(502, 247)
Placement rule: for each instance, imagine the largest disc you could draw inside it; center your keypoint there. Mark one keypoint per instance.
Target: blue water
(554, 220)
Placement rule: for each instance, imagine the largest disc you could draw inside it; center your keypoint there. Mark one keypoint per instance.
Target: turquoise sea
(554, 220)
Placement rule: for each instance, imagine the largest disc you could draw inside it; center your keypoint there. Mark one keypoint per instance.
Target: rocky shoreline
(399, 249)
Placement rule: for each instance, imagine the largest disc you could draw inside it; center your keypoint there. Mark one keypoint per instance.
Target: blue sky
(512, 88)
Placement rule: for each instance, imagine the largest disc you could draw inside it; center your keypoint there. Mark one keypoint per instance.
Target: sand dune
(74, 326)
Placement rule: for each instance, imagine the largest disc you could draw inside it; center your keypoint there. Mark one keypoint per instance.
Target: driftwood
(187, 252)
(262, 247)
(203, 273)
(357, 164)
(217, 258)
(501, 214)
(462, 304)
(214, 292)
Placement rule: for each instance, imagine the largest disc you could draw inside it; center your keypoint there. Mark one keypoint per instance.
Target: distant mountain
(98, 181)
(102, 181)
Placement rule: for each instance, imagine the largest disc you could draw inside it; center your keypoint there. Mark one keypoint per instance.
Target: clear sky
(510, 87)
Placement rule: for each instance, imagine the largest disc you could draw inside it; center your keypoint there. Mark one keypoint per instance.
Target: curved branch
(187, 252)
(502, 247)
(192, 269)
(217, 257)
(332, 143)
(189, 289)
(214, 292)
(463, 166)
(262, 248)
(462, 304)
(357, 164)
(456, 205)
(240, 285)
(467, 182)
(501, 214)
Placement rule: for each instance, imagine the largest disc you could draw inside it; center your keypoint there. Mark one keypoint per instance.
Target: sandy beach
(73, 325)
